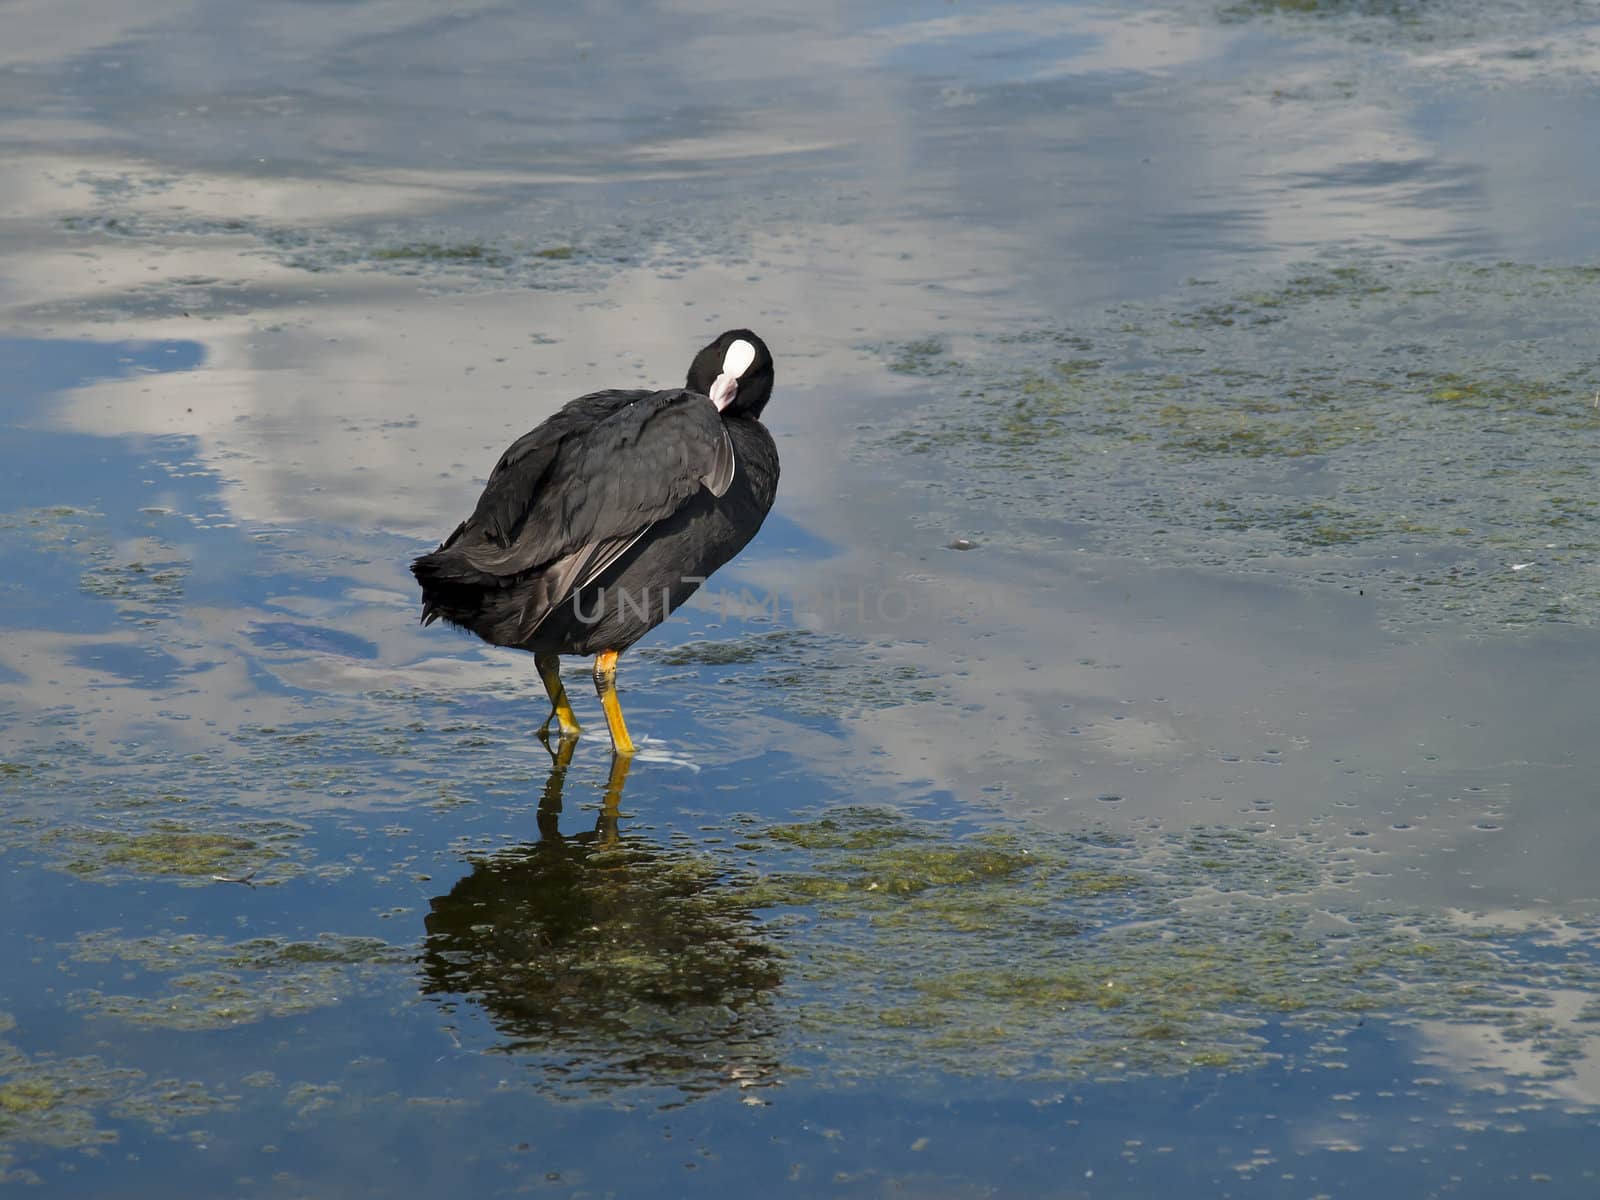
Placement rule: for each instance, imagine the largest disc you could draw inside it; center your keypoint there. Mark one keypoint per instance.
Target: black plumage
(599, 523)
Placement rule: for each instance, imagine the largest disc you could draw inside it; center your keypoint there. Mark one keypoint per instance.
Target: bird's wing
(520, 473)
(720, 476)
(569, 498)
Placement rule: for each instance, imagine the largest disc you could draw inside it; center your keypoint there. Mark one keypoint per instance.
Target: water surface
(1215, 818)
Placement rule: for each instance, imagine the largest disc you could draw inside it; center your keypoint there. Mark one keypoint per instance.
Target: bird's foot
(567, 727)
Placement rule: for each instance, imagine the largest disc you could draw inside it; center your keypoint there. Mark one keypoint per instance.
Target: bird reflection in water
(610, 960)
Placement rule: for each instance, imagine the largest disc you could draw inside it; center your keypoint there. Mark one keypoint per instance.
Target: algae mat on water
(1060, 957)
(859, 944)
(1430, 433)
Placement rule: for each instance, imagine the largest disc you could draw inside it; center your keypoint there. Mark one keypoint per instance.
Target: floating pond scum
(1367, 425)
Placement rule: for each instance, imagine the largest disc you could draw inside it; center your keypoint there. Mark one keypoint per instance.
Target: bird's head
(736, 372)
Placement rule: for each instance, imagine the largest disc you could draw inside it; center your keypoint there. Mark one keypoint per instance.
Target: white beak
(724, 390)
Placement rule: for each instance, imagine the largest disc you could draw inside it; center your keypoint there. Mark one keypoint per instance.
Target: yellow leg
(560, 760)
(605, 683)
(549, 665)
(611, 810)
(549, 816)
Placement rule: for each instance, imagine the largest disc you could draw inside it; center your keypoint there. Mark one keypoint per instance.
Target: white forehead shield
(734, 364)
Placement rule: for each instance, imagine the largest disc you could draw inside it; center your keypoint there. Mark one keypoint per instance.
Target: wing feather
(565, 501)
(518, 475)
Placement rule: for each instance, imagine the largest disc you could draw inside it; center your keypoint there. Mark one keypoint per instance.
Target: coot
(594, 527)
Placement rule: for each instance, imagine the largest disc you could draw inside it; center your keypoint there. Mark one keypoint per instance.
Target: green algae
(884, 945)
(143, 578)
(578, 251)
(29, 1097)
(1404, 10)
(1428, 437)
(806, 673)
(268, 953)
(170, 851)
(611, 965)
(66, 1102)
(210, 983)
(1056, 957)
(461, 252)
(186, 951)
(476, 256)
(741, 651)
(1422, 24)
(847, 829)
(899, 870)
(213, 1000)
(144, 590)
(164, 847)
(920, 356)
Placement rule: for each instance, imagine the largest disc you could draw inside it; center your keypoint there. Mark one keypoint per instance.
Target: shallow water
(1215, 818)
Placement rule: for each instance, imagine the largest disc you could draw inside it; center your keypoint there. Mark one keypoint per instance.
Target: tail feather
(451, 587)
(506, 608)
(495, 607)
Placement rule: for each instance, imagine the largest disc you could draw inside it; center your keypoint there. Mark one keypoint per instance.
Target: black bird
(593, 528)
